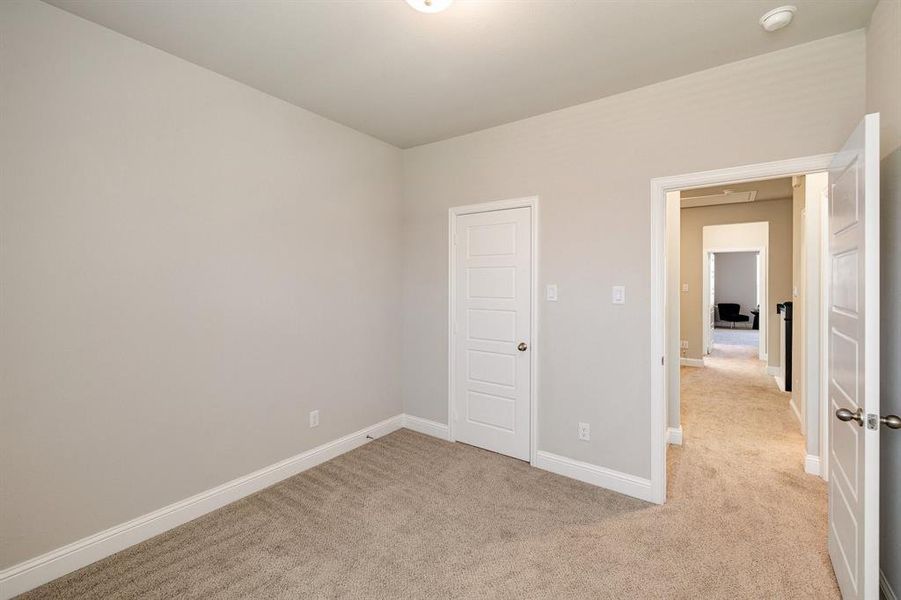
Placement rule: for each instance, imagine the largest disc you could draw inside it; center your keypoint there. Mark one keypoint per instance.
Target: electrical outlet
(314, 418)
(584, 432)
(684, 344)
(618, 295)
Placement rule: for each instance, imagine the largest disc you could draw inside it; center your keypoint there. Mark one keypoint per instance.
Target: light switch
(552, 292)
(684, 287)
(619, 294)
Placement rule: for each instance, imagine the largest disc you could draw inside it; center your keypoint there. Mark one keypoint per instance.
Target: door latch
(872, 421)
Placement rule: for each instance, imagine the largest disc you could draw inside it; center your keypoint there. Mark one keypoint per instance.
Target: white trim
(691, 362)
(674, 435)
(886, 586)
(56, 563)
(780, 382)
(794, 407)
(812, 464)
(623, 483)
(432, 428)
(658, 188)
(771, 370)
(823, 398)
(452, 214)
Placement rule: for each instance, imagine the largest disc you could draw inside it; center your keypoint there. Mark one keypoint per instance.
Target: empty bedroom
(381, 299)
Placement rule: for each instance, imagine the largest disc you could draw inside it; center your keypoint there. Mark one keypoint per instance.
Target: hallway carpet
(408, 516)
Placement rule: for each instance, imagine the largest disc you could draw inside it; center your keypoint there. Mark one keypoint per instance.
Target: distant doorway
(735, 299)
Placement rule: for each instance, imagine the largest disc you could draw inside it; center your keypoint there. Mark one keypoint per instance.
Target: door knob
(522, 347)
(843, 414)
(891, 421)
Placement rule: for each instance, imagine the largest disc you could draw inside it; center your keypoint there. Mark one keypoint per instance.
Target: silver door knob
(522, 347)
(891, 421)
(843, 414)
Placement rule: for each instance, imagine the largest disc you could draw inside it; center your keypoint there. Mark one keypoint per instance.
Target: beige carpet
(408, 516)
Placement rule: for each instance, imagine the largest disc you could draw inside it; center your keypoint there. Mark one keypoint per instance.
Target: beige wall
(884, 96)
(591, 165)
(884, 72)
(778, 214)
(189, 267)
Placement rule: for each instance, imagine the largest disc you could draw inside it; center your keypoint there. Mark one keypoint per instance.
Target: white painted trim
(534, 346)
(812, 464)
(886, 587)
(56, 563)
(623, 483)
(825, 266)
(432, 428)
(771, 370)
(691, 362)
(795, 411)
(780, 382)
(674, 435)
(659, 186)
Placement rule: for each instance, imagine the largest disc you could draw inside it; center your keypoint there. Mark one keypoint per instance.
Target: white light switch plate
(684, 287)
(619, 294)
(552, 292)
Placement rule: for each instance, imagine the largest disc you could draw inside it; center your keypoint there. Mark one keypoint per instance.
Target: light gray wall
(189, 267)
(736, 279)
(591, 165)
(884, 96)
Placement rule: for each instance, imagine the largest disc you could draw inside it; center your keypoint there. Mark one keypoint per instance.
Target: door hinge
(663, 360)
(872, 421)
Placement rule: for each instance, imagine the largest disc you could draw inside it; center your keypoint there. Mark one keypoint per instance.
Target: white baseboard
(691, 362)
(812, 464)
(432, 428)
(797, 413)
(772, 370)
(674, 435)
(887, 590)
(623, 483)
(47, 567)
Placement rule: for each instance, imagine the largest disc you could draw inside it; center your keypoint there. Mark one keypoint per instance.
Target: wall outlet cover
(584, 432)
(314, 418)
(552, 292)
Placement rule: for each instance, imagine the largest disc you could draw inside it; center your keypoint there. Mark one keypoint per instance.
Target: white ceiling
(410, 78)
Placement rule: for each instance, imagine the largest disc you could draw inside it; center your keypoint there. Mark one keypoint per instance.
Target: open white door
(853, 369)
(711, 291)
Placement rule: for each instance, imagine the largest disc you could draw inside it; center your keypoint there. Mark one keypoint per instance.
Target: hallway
(743, 460)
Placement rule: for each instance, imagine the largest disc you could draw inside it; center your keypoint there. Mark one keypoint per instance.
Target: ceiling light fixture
(429, 6)
(778, 18)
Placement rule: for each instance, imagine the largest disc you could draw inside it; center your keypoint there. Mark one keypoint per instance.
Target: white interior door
(492, 330)
(853, 368)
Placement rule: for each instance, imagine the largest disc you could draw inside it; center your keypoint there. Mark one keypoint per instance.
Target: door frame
(659, 356)
(530, 202)
(762, 291)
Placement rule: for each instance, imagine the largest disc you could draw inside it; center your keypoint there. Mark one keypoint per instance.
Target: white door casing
(853, 367)
(491, 329)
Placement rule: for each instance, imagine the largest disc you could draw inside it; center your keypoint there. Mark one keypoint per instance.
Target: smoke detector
(778, 18)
